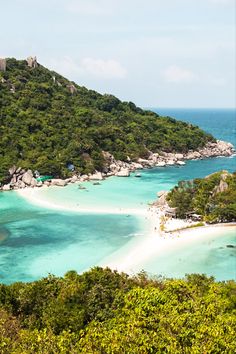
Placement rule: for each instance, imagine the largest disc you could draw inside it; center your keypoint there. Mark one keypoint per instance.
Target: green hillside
(47, 122)
(104, 312)
(212, 197)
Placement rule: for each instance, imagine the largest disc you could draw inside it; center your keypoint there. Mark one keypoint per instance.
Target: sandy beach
(156, 244)
(32, 195)
(153, 244)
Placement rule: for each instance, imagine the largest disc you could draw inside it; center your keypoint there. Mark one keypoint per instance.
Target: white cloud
(176, 74)
(100, 68)
(107, 69)
(65, 66)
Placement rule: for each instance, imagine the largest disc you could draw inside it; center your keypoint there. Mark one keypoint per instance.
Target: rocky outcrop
(223, 185)
(58, 182)
(161, 201)
(219, 148)
(124, 172)
(3, 64)
(6, 187)
(27, 177)
(19, 178)
(32, 62)
(96, 177)
(72, 88)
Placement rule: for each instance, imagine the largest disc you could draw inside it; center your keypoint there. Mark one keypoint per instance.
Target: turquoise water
(35, 241)
(38, 241)
(212, 256)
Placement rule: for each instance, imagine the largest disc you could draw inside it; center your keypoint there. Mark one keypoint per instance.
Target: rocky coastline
(21, 178)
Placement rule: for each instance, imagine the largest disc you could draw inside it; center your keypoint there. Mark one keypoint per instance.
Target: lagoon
(36, 240)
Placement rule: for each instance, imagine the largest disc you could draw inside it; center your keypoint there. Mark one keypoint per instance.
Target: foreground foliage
(102, 311)
(212, 197)
(44, 126)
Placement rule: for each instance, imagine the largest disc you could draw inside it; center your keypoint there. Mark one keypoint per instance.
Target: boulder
(14, 179)
(124, 172)
(96, 177)
(108, 156)
(162, 199)
(20, 184)
(192, 155)
(74, 179)
(179, 156)
(137, 166)
(46, 183)
(27, 177)
(161, 164)
(6, 187)
(170, 162)
(33, 182)
(12, 170)
(222, 187)
(58, 182)
(159, 194)
(83, 178)
(114, 167)
(144, 162)
(18, 170)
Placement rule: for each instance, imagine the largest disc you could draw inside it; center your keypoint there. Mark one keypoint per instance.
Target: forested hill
(47, 122)
(212, 197)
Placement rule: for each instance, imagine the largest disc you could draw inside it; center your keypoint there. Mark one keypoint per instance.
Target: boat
(138, 175)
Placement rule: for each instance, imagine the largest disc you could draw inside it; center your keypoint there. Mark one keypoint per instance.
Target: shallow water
(35, 241)
(39, 241)
(212, 256)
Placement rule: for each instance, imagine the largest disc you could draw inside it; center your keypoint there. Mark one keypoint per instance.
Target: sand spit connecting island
(157, 240)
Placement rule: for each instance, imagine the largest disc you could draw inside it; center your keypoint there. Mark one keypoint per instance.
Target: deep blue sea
(35, 240)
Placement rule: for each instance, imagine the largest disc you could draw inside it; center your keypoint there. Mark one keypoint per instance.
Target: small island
(198, 202)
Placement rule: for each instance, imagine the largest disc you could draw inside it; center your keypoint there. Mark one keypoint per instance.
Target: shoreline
(30, 194)
(156, 245)
(154, 242)
(26, 179)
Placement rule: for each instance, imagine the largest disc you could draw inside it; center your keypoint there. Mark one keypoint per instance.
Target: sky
(155, 53)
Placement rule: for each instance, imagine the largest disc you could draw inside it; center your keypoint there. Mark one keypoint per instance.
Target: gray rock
(18, 170)
(6, 187)
(12, 170)
(137, 165)
(27, 177)
(159, 194)
(33, 182)
(46, 183)
(161, 164)
(32, 62)
(3, 64)
(74, 179)
(14, 179)
(58, 182)
(96, 177)
(114, 167)
(20, 184)
(123, 173)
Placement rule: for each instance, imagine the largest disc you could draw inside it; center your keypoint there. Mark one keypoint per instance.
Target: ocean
(36, 241)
